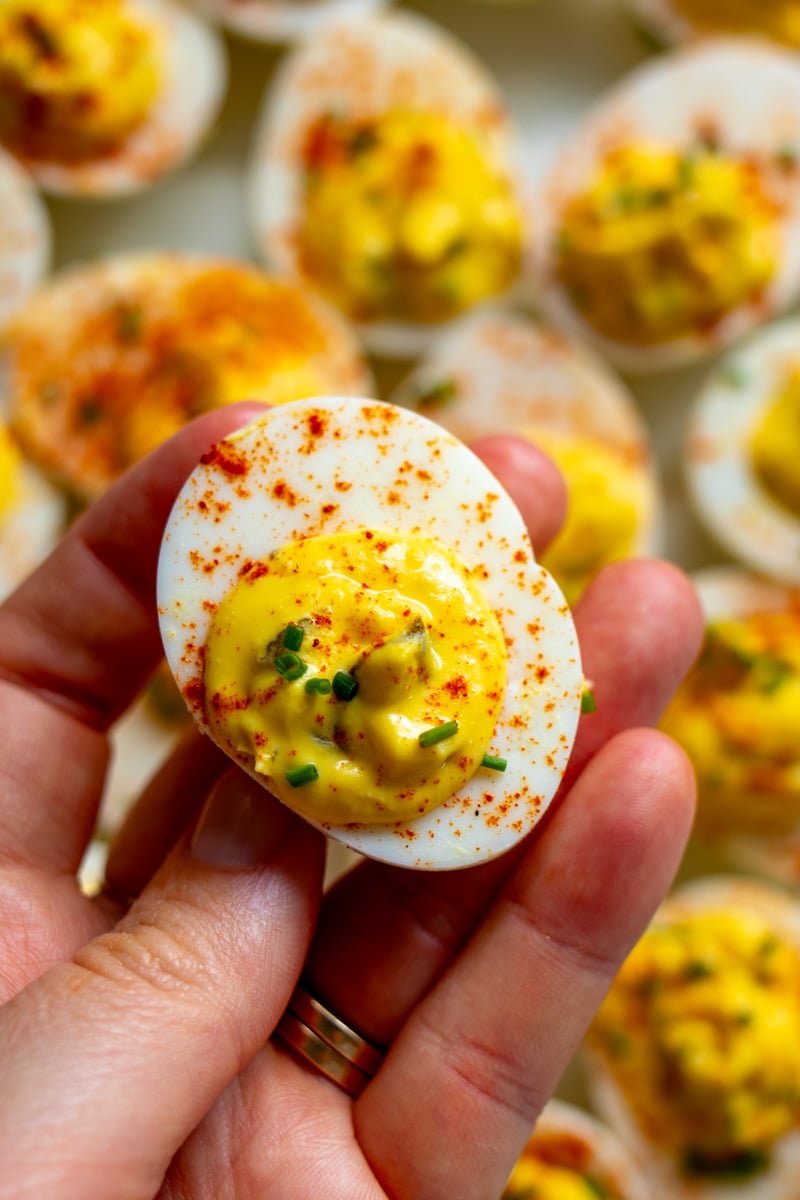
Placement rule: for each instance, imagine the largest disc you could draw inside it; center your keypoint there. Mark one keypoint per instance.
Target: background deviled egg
(103, 97)
(112, 357)
(736, 717)
(572, 1156)
(670, 224)
(694, 1057)
(351, 608)
(383, 174)
(498, 372)
(672, 21)
(283, 20)
(24, 237)
(32, 515)
(743, 453)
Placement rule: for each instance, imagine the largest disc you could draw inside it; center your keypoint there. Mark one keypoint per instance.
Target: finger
(385, 935)
(77, 641)
(449, 1111)
(151, 1021)
(532, 480)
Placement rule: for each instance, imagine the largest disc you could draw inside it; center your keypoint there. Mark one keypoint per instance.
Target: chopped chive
(318, 686)
(438, 392)
(438, 734)
(493, 763)
(293, 637)
(344, 685)
(290, 666)
(297, 776)
(588, 702)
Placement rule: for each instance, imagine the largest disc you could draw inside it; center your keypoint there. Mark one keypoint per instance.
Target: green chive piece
(438, 734)
(437, 392)
(290, 666)
(588, 702)
(493, 763)
(344, 685)
(318, 686)
(298, 776)
(293, 637)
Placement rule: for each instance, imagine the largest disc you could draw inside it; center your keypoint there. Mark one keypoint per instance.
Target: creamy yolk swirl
(395, 646)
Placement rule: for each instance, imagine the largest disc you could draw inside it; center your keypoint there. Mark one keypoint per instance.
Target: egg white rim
(608, 1156)
(659, 19)
(516, 375)
(450, 835)
(25, 237)
(276, 178)
(284, 20)
(666, 100)
(779, 1181)
(195, 80)
(30, 529)
(724, 489)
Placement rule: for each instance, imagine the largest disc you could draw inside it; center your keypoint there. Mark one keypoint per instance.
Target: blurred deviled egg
(384, 175)
(694, 1057)
(103, 97)
(283, 20)
(24, 237)
(112, 357)
(32, 515)
(572, 1156)
(673, 21)
(743, 453)
(670, 224)
(352, 610)
(737, 714)
(496, 372)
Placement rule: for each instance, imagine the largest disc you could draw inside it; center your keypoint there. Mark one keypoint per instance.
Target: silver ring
(327, 1043)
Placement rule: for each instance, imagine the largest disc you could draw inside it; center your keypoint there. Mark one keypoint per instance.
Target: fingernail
(241, 824)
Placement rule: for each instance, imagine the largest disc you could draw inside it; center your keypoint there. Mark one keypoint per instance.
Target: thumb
(111, 1060)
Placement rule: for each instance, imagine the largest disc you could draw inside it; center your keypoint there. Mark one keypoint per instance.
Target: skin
(134, 1036)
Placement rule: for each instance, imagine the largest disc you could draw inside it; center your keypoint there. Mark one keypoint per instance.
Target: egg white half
(335, 464)
(510, 374)
(284, 20)
(725, 491)
(749, 93)
(193, 87)
(24, 237)
(390, 61)
(781, 1180)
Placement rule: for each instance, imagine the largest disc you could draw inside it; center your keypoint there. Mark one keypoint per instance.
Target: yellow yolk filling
(663, 245)
(399, 616)
(76, 76)
(407, 216)
(778, 19)
(606, 502)
(775, 447)
(701, 1030)
(736, 717)
(10, 471)
(534, 1179)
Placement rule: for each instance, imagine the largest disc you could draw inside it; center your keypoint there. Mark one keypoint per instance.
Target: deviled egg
(572, 1156)
(32, 515)
(736, 713)
(672, 21)
(352, 610)
(110, 358)
(283, 20)
(24, 238)
(670, 223)
(103, 97)
(498, 372)
(384, 175)
(694, 1057)
(743, 451)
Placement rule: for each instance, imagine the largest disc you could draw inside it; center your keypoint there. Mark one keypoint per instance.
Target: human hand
(135, 1039)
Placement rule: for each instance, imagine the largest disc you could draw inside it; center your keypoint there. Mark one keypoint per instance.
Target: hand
(135, 1040)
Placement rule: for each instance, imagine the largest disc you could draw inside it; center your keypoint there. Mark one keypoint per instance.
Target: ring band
(325, 1041)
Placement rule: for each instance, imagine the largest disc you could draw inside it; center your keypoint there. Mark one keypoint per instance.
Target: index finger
(82, 630)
